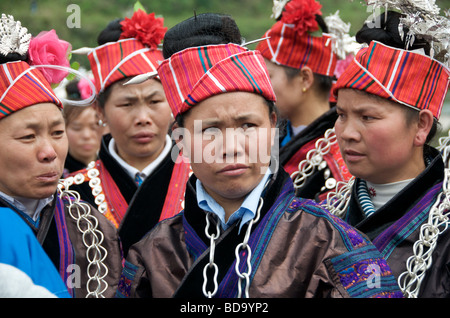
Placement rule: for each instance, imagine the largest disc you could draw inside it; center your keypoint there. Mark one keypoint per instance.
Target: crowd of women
(191, 166)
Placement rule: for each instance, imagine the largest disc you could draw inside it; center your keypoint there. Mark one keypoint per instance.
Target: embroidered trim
(365, 274)
(126, 280)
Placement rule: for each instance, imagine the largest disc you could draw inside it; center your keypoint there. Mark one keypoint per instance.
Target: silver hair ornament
(422, 19)
(14, 38)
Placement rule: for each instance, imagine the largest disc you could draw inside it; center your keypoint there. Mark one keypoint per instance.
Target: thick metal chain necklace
(244, 278)
(438, 222)
(92, 237)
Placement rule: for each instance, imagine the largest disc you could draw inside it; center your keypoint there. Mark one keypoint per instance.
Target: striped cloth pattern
(196, 73)
(286, 47)
(364, 199)
(406, 77)
(22, 86)
(114, 61)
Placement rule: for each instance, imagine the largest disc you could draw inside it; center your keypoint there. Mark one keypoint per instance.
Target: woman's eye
(58, 133)
(27, 137)
(248, 125)
(210, 130)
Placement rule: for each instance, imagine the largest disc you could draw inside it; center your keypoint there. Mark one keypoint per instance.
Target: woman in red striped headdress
(81, 242)
(242, 233)
(138, 180)
(389, 101)
(301, 58)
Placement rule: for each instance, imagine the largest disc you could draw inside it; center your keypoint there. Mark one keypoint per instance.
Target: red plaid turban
(286, 47)
(22, 86)
(196, 73)
(405, 77)
(114, 61)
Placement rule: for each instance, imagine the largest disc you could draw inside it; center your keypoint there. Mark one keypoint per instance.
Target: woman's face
(287, 92)
(34, 147)
(138, 118)
(228, 139)
(84, 135)
(375, 140)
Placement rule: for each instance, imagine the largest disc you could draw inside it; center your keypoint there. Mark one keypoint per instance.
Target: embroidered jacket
(395, 227)
(60, 236)
(133, 210)
(298, 146)
(298, 250)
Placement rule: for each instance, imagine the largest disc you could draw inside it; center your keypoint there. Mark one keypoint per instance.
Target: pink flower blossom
(84, 88)
(47, 49)
(341, 65)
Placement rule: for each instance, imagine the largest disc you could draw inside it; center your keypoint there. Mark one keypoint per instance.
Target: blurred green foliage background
(252, 16)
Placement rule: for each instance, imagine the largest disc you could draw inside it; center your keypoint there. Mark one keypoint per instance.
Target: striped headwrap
(114, 61)
(22, 85)
(196, 73)
(409, 78)
(285, 47)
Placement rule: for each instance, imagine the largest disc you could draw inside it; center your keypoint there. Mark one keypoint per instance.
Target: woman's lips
(49, 177)
(352, 155)
(144, 137)
(88, 147)
(234, 170)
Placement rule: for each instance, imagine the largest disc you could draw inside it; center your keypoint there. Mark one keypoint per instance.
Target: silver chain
(337, 201)
(242, 246)
(211, 264)
(92, 239)
(314, 158)
(421, 260)
(438, 222)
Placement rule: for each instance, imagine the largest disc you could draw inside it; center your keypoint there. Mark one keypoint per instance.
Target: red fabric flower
(302, 13)
(144, 27)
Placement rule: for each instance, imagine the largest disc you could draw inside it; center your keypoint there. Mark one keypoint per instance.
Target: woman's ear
(100, 112)
(307, 77)
(424, 125)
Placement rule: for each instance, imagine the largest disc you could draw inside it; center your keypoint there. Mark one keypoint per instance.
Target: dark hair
(12, 57)
(111, 33)
(412, 115)
(385, 29)
(322, 83)
(201, 29)
(73, 93)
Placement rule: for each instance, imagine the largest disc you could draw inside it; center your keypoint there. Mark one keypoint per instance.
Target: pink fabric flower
(84, 88)
(47, 49)
(341, 65)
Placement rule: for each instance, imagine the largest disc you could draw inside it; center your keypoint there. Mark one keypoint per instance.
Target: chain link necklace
(91, 236)
(243, 277)
(438, 222)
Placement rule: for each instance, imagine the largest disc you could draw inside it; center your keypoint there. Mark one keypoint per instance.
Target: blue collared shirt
(246, 211)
